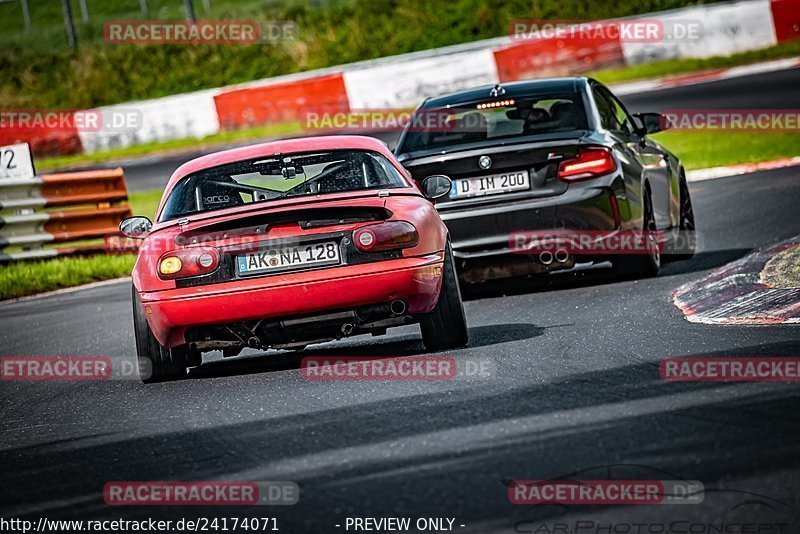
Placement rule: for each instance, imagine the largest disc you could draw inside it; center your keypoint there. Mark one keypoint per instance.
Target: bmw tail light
(589, 163)
(187, 262)
(389, 235)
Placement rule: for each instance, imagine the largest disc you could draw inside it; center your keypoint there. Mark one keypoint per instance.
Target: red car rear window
(280, 176)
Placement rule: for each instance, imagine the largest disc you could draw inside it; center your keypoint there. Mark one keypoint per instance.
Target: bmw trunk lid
(496, 174)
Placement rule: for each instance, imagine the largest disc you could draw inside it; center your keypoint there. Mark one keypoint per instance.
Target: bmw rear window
(280, 176)
(497, 119)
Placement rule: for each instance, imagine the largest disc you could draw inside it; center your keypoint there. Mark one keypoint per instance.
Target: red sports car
(284, 244)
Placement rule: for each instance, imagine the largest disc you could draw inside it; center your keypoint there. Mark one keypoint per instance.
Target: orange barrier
(84, 187)
(91, 206)
(85, 224)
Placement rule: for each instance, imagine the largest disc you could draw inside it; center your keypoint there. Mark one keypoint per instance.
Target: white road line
(700, 175)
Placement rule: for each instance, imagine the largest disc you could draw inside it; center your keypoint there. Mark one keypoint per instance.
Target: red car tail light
(386, 236)
(186, 262)
(589, 163)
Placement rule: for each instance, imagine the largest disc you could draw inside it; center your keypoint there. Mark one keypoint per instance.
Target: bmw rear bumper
(482, 235)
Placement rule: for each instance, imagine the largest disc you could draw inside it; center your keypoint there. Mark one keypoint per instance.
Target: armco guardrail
(90, 205)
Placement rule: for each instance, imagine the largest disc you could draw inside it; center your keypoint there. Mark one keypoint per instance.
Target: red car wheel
(156, 362)
(445, 327)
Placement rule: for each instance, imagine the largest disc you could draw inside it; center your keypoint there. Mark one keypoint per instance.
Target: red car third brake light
(186, 262)
(389, 235)
(589, 163)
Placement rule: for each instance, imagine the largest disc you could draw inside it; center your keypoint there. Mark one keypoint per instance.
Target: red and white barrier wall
(173, 117)
(727, 29)
(402, 82)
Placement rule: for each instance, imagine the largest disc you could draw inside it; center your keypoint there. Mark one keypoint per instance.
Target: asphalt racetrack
(574, 390)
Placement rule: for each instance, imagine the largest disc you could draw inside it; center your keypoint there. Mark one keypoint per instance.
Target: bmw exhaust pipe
(561, 255)
(546, 257)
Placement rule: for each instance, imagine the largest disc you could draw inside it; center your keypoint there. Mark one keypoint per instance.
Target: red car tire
(445, 327)
(156, 362)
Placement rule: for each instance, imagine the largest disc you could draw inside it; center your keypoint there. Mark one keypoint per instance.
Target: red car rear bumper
(415, 280)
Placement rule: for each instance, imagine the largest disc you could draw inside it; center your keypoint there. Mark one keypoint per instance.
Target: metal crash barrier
(63, 208)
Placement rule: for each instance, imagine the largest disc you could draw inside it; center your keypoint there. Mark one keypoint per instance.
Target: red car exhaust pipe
(398, 307)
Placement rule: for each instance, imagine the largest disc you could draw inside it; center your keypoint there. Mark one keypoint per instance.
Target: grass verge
(145, 202)
(30, 277)
(701, 150)
(20, 279)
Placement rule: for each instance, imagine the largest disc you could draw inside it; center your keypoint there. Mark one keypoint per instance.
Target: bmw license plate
(288, 258)
(490, 185)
